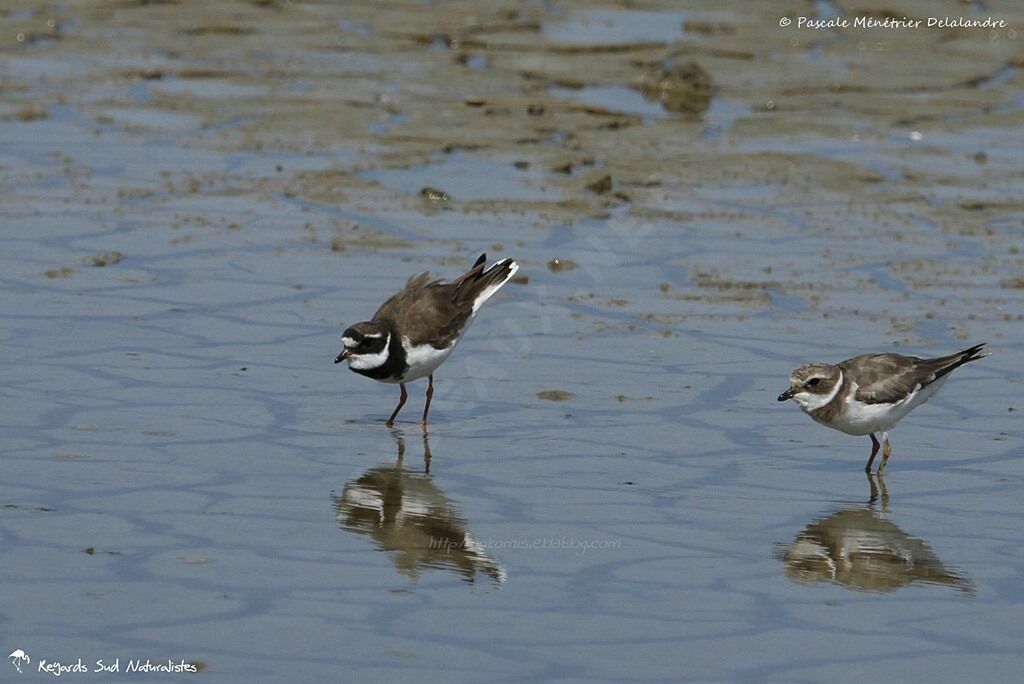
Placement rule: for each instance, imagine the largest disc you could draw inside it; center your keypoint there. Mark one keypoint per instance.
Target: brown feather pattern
(422, 303)
(888, 378)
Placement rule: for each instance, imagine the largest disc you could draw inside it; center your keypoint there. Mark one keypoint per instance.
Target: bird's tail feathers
(480, 284)
(947, 364)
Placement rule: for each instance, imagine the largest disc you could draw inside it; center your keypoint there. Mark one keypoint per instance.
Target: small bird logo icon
(18, 657)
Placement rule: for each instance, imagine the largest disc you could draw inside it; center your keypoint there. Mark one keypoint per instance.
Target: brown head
(813, 386)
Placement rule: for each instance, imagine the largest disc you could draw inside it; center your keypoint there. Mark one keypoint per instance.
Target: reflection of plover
(871, 393)
(406, 513)
(859, 549)
(415, 330)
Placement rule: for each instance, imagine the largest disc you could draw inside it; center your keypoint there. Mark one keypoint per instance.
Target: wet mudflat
(196, 201)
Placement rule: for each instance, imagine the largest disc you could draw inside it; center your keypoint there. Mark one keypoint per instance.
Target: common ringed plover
(415, 330)
(871, 393)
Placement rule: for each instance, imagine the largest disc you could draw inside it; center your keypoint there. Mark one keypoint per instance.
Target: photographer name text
(893, 23)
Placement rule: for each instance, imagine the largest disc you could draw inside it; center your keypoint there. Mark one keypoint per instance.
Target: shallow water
(612, 491)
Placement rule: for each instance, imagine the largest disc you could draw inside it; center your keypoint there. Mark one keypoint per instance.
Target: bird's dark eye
(813, 382)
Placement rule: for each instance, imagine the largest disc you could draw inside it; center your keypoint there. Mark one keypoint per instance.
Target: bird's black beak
(788, 394)
(342, 356)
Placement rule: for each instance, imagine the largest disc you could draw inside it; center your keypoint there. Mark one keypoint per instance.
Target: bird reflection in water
(411, 518)
(858, 548)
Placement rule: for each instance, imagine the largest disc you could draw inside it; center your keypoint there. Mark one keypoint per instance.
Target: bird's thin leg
(401, 403)
(430, 393)
(874, 450)
(877, 484)
(874, 489)
(886, 450)
(426, 453)
(885, 493)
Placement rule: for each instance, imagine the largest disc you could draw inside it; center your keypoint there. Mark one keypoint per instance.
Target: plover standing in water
(869, 394)
(415, 330)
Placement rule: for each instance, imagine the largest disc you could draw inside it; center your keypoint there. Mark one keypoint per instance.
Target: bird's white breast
(858, 418)
(424, 359)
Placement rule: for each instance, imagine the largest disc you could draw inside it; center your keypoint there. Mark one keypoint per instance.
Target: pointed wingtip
(954, 361)
(978, 351)
(495, 277)
(509, 264)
